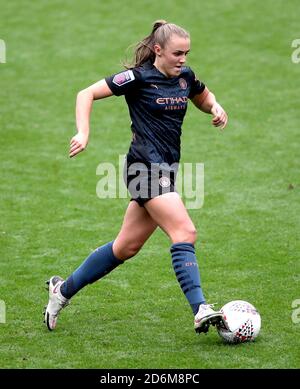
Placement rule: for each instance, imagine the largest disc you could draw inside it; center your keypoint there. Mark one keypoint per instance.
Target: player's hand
(77, 144)
(219, 116)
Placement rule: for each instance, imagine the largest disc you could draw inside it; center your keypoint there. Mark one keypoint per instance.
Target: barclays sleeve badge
(123, 78)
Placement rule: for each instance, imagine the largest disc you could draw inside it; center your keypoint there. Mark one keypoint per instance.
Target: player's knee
(190, 235)
(186, 234)
(129, 250)
(133, 248)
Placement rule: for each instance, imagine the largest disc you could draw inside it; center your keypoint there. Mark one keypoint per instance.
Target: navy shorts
(145, 181)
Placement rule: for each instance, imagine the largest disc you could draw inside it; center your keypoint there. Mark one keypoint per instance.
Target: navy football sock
(187, 273)
(97, 265)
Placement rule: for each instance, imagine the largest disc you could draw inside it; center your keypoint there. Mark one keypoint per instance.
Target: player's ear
(157, 49)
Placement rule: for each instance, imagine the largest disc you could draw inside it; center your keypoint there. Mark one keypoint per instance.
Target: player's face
(172, 57)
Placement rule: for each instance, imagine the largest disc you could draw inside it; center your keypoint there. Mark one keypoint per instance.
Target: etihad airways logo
(171, 100)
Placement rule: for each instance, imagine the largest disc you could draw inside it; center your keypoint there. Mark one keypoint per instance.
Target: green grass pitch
(51, 218)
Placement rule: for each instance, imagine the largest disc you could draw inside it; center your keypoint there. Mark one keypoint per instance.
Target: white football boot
(56, 302)
(205, 317)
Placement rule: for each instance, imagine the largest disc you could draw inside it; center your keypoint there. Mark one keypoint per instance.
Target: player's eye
(179, 53)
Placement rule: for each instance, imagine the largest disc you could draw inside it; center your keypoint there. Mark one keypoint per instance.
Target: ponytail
(161, 33)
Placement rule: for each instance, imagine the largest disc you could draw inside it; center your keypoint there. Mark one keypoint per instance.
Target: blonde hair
(161, 34)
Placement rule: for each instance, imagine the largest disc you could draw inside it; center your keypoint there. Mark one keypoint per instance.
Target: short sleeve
(197, 86)
(123, 83)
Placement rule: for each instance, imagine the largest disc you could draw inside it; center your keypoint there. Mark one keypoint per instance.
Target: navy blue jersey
(157, 106)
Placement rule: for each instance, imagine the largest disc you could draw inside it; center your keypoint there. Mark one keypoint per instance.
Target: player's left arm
(206, 102)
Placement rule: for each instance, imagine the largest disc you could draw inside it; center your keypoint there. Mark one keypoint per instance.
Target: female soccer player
(156, 88)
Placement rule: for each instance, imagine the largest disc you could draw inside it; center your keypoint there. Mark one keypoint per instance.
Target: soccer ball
(241, 322)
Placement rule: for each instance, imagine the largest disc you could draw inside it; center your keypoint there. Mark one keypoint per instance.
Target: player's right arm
(84, 103)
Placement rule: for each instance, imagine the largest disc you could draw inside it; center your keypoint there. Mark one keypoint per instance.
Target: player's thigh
(136, 229)
(170, 214)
